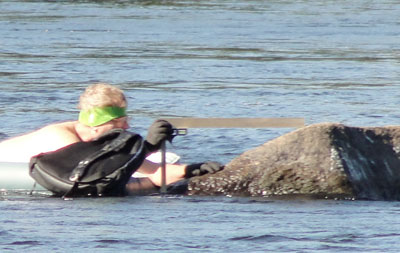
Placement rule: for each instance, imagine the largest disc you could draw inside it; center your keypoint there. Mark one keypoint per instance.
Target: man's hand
(158, 132)
(199, 169)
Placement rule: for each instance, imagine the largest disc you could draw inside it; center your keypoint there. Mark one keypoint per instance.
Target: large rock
(322, 160)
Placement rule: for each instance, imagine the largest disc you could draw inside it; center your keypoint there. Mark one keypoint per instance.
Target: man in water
(102, 108)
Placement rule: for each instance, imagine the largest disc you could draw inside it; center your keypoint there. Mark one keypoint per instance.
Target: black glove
(159, 131)
(199, 169)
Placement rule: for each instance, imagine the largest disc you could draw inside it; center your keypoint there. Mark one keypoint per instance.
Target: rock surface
(321, 160)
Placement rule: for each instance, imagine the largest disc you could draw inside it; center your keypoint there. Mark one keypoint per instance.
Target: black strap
(83, 165)
(69, 193)
(33, 188)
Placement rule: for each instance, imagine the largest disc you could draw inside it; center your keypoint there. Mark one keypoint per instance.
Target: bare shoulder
(59, 127)
(63, 132)
(48, 138)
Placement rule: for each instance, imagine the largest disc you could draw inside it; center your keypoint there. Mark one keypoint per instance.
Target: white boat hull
(15, 176)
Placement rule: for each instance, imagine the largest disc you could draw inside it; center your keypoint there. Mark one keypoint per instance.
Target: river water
(323, 60)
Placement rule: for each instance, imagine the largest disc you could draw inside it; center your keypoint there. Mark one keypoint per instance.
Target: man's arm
(175, 172)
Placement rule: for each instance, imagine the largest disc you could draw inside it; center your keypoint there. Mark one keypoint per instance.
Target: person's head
(102, 108)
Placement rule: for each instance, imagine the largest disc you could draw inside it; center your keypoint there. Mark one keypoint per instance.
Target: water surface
(334, 61)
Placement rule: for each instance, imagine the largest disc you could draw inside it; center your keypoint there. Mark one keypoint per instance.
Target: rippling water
(328, 60)
(183, 224)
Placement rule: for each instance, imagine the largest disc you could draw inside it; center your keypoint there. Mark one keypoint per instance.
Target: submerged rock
(322, 160)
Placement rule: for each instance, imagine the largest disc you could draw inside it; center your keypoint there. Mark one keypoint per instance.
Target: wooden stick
(236, 122)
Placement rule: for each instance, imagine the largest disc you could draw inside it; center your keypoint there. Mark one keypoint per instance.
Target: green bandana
(100, 115)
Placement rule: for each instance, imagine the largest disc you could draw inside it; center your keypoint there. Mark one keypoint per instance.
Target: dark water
(332, 61)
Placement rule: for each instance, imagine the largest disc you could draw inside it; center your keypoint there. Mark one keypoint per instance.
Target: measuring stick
(236, 122)
(163, 168)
